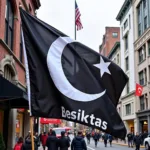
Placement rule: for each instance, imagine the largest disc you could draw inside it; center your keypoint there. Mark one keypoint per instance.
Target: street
(101, 147)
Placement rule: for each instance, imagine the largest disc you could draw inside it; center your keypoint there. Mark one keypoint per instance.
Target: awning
(12, 95)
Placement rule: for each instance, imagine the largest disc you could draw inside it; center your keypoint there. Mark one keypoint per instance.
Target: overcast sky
(95, 16)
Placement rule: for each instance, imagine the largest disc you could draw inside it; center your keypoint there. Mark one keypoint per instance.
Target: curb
(121, 144)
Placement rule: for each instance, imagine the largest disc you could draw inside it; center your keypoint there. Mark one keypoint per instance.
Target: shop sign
(50, 121)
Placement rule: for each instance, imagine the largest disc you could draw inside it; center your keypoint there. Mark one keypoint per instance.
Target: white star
(103, 66)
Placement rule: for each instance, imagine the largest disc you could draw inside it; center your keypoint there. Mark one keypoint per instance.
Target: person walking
(44, 139)
(28, 144)
(110, 139)
(63, 142)
(96, 138)
(67, 136)
(88, 136)
(105, 137)
(130, 139)
(19, 144)
(137, 141)
(52, 141)
(78, 143)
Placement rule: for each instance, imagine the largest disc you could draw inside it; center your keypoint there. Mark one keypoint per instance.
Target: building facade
(141, 9)
(13, 122)
(112, 35)
(115, 56)
(128, 99)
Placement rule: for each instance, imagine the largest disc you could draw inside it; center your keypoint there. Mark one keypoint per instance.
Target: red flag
(139, 90)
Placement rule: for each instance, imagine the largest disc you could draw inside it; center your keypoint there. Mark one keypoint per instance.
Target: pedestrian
(141, 136)
(145, 134)
(37, 139)
(110, 139)
(40, 136)
(28, 144)
(50, 132)
(137, 141)
(96, 138)
(130, 138)
(78, 143)
(88, 136)
(19, 144)
(44, 139)
(63, 142)
(52, 141)
(28, 135)
(67, 136)
(105, 137)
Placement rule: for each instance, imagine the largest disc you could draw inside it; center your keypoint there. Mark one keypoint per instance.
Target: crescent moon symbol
(57, 74)
(139, 89)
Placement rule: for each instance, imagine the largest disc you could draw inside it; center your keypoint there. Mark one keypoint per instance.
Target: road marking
(90, 148)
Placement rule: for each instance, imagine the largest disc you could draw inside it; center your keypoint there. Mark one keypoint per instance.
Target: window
(148, 47)
(128, 109)
(127, 63)
(145, 75)
(141, 55)
(145, 22)
(125, 24)
(146, 102)
(8, 74)
(139, 29)
(129, 22)
(128, 88)
(115, 34)
(141, 78)
(117, 58)
(21, 48)
(126, 42)
(9, 19)
(142, 105)
(139, 20)
(144, 4)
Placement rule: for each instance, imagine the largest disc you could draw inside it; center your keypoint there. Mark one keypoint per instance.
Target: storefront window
(19, 125)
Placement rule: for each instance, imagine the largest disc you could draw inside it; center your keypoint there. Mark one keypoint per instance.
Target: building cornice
(143, 113)
(128, 95)
(144, 37)
(113, 50)
(123, 9)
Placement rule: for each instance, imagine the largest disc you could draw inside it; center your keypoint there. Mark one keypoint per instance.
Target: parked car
(58, 131)
(147, 143)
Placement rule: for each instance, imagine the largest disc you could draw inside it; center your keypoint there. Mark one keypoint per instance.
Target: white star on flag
(103, 66)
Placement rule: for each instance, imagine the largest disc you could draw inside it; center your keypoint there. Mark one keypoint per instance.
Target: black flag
(69, 80)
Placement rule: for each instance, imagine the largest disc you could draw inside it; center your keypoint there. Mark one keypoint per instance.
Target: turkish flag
(139, 90)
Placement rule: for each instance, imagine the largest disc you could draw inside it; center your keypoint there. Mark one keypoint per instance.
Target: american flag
(77, 17)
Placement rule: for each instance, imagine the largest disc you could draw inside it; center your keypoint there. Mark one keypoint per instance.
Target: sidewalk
(122, 143)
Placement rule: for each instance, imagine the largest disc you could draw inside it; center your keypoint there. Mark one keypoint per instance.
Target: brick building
(111, 36)
(13, 121)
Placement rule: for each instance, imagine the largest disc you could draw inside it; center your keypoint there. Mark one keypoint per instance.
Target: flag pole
(31, 129)
(74, 59)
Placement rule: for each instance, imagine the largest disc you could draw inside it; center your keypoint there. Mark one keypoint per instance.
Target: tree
(2, 144)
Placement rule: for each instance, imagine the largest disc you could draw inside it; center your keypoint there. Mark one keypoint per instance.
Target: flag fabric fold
(71, 81)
